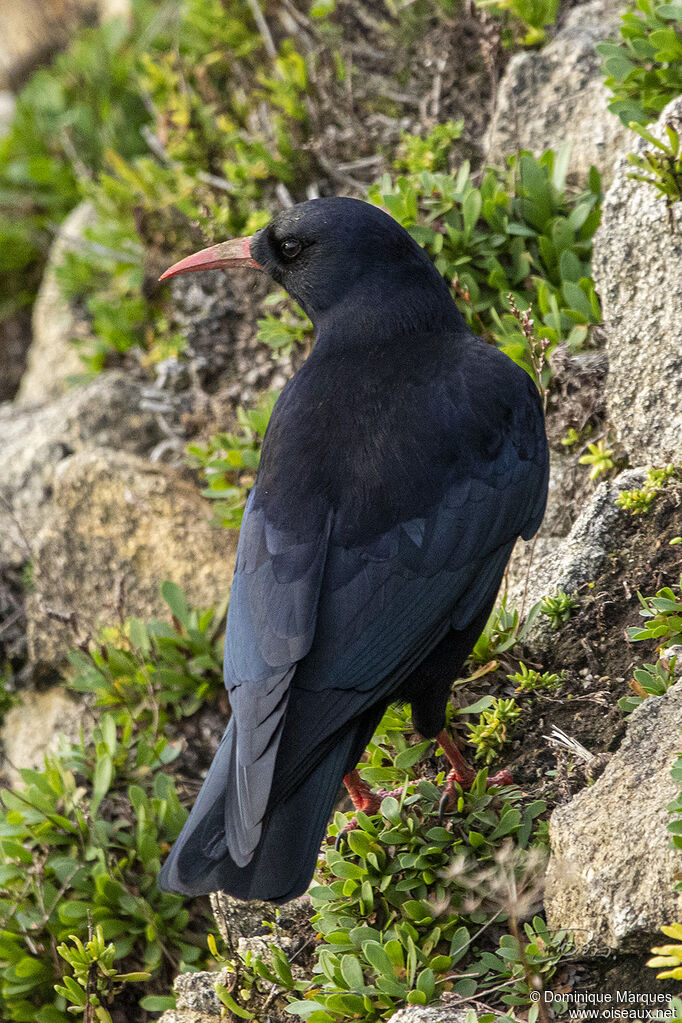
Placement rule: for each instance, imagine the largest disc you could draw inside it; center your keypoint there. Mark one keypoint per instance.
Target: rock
(52, 357)
(7, 104)
(570, 562)
(430, 1014)
(557, 95)
(196, 992)
(186, 1016)
(612, 871)
(106, 412)
(31, 31)
(120, 525)
(32, 728)
(237, 919)
(637, 259)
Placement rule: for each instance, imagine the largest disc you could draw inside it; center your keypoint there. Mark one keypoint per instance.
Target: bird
(400, 465)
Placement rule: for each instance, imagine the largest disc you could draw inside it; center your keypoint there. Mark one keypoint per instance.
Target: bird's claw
(448, 799)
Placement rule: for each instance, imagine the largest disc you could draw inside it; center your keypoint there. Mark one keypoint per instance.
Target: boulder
(539, 568)
(119, 525)
(558, 95)
(430, 1014)
(187, 1016)
(31, 31)
(637, 259)
(53, 358)
(238, 919)
(33, 728)
(612, 872)
(106, 412)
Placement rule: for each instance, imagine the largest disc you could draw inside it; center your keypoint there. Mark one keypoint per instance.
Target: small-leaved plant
(559, 608)
(662, 165)
(640, 500)
(493, 728)
(230, 461)
(643, 68)
(649, 680)
(662, 615)
(525, 21)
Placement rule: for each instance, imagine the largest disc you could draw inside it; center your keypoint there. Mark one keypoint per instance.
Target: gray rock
(7, 103)
(118, 526)
(557, 95)
(196, 992)
(238, 919)
(637, 259)
(187, 1016)
(33, 728)
(53, 357)
(106, 412)
(430, 1014)
(612, 872)
(570, 562)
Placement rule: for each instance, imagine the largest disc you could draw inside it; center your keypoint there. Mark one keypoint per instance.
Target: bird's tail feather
(293, 828)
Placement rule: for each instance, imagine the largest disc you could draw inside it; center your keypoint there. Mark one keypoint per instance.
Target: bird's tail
(293, 827)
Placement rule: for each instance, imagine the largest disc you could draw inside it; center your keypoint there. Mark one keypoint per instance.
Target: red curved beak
(236, 252)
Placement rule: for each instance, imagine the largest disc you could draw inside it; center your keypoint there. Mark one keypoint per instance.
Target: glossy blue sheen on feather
(400, 465)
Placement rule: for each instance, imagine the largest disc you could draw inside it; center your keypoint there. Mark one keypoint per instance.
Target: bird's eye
(290, 248)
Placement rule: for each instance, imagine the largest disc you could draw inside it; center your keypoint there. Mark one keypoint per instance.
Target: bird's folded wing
(326, 630)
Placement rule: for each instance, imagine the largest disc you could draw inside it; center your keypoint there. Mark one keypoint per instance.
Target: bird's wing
(318, 631)
(270, 626)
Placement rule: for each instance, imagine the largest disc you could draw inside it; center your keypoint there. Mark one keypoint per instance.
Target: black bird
(399, 467)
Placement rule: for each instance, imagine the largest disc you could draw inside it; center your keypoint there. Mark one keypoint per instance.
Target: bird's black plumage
(400, 465)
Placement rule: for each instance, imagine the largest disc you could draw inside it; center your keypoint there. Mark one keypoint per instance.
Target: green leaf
(351, 972)
(376, 955)
(177, 602)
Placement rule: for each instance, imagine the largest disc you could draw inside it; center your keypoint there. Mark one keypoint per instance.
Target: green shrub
(639, 500)
(521, 232)
(230, 461)
(660, 166)
(663, 614)
(644, 68)
(558, 608)
(81, 840)
(649, 680)
(66, 119)
(599, 457)
(492, 730)
(525, 20)
(529, 680)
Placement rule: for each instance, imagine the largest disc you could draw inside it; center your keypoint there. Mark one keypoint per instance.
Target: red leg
(462, 773)
(364, 799)
(361, 794)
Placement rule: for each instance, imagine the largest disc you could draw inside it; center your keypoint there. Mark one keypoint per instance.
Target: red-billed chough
(399, 467)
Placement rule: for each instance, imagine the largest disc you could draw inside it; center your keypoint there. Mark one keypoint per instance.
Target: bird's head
(341, 259)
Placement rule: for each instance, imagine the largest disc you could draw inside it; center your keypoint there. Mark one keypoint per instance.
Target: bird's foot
(364, 799)
(462, 774)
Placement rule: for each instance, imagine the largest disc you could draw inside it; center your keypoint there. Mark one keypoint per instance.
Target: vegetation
(660, 166)
(663, 617)
(558, 608)
(492, 730)
(649, 680)
(599, 457)
(644, 68)
(529, 680)
(81, 840)
(525, 21)
(640, 500)
(520, 232)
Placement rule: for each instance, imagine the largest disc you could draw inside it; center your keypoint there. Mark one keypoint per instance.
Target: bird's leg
(461, 773)
(362, 795)
(364, 799)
